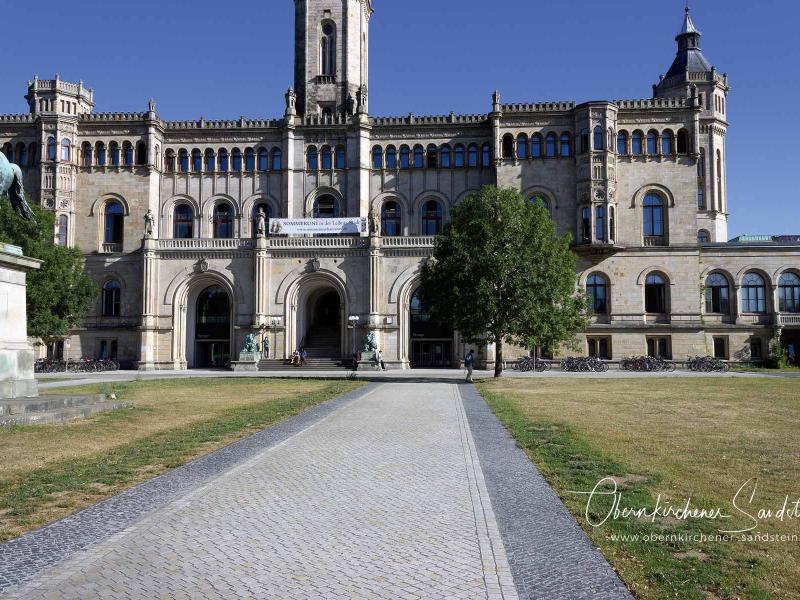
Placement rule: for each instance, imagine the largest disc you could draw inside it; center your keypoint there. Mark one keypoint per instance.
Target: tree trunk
(498, 355)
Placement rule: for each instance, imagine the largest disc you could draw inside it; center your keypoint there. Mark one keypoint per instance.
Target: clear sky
(221, 60)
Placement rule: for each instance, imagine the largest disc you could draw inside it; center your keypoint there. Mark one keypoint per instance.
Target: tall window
(63, 224)
(586, 224)
(508, 146)
(432, 218)
(111, 299)
(312, 164)
(263, 159)
(459, 156)
(249, 159)
(717, 294)
(598, 138)
(87, 154)
(391, 219)
(703, 237)
(341, 158)
(584, 141)
(391, 157)
(51, 148)
(622, 143)
(183, 159)
(127, 154)
(652, 142)
(666, 143)
(23, 155)
(236, 155)
(655, 294)
(636, 143)
(612, 224)
(444, 156)
(550, 145)
(377, 158)
(754, 294)
(683, 142)
(789, 293)
(701, 198)
(701, 163)
(326, 207)
(223, 221)
(197, 160)
(224, 161)
(276, 159)
(486, 155)
(419, 157)
(600, 223)
(432, 156)
(536, 146)
(405, 157)
(65, 149)
(326, 158)
(566, 145)
(8, 150)
(113, 147)
(100, 150)
(327, 60)
(211, 160)
(114, 223)
(653, 216)
(472, 155)
(260, 207)
(597, 291)
(141, 153)
(522, 146)
(183, 222)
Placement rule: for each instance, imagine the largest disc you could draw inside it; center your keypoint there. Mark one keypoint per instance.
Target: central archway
(316, 318)
(431, 344)
(212, 328)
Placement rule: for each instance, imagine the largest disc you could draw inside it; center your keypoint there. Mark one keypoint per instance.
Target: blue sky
(223, 60)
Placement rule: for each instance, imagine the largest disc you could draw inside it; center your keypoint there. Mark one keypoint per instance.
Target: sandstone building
(640, 185)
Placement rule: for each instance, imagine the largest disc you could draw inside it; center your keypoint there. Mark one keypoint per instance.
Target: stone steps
(54, 409)
(316, 364)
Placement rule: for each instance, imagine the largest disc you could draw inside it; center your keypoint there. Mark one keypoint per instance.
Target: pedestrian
(296, 358)
(303, 357)
(469, 364)
(266, 348)
(355, 361)
(379, 360)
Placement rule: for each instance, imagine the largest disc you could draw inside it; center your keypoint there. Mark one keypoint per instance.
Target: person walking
(266, 348)
(379, 360)
(469, 364)
(303, 357)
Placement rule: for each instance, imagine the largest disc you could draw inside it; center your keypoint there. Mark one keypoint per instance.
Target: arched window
(683, 142)
(655, 294)
(405, 157)
(717, 294)
(312, 164)
(536, 146)
(260, 207)
(419, 157)
(586, 224)
(584, 141)
(550, 145)
(276, 159)
(327, 60)
(65, 147)
(183, 159)
(86, 151)
(754, 294)
(600, 223)
(652, 142)
(63, 225)
(326, 158)
(622, 143)
(141, 153)
(51, 148)
(391, 219)
(391, 157)
(8, 150)
(486, 155)
(542, 201)
(566, 145)
(127, 154)
(459, 156)
(472, 155)
(598, 138)
(111, 299)
(508, 146)
(597, 291)
(249, 159)
(263, 159)
(31, 154)
(666, 142)
(432, 156)
(719, 178)
(183, 222)
(114, 223)
(636, 143)
(445, 155)
(22, 155)
(377, 157)
(224, 163)
(341, 158)
(789, 293)
(223, 221)
(197, 160)
(113, 148)
(653, 216)
(211, 160)
(703, 236)
(522, 146)
(236, 161)
(432, 218)
(100, 152)
(326, 207)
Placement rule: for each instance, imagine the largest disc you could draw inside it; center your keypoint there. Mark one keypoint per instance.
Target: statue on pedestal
(370, 344)
(261, 223)
(149, 223)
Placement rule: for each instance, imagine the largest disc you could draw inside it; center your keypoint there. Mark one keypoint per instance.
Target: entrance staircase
(323, 348)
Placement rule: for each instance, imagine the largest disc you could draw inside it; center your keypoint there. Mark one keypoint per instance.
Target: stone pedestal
(248, 361)
(16, 354)
(367, 362)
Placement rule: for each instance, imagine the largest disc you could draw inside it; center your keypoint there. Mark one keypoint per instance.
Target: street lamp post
(353, 320)
(275, 322)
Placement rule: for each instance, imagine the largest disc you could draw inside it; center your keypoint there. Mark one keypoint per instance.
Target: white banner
(350, 226)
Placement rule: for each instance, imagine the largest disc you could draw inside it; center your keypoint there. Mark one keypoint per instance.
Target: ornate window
(183, 159)
(65, 148)
(312, 162)
(652, 142)
(445, 154)
(326, 207)
(326, 158)
(683, 142)
(666, 143)
(655, 294)
(223, 221)
(459, 156)
(432, 156)
(405, 157)
(263, 159)
(8, 150)
(508, 146)
(391, 157)
(86, 151)
(249, 159)
(522, 146)
(183, 222)
(486, 155)
(472, 155)
(432, 214)
(703, 236)
(598, 139)
(224, 161)
(340, 158)
(789, 293)
(566, 145)
(600, 223)
(419, 157)
(586, 224)
(276, 159)
(754, 294)
(536, 146)
(391, 219)
(550, 145)
(63, 230)
(597, 291)
(717, 294)
(51, 148)
(210, 160)
(377, 157)
(110, 304)
(327, 58)
(197, 160)
(114, 223)
(113, 148)
(236, 156)
(127, 154)
(653, 224)
(636, 143)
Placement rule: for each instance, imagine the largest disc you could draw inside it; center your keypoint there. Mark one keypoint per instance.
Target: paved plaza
(397, 490)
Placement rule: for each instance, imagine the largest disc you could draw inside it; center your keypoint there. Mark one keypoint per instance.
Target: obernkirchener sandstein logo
(744, 506)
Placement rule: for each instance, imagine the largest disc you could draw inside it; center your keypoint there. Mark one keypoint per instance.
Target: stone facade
(639, 184)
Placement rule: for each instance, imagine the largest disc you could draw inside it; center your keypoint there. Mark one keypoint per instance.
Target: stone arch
(99, 204)
(464, 194)
(784, 269)
(168, 213)
(308, 208)
(420, 201)
(655, 269)
(544, 191)
(247, 211)
(638, 197)
(753, 269)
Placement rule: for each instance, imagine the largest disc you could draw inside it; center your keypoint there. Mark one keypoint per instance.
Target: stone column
(148, 350)
(262, 265)
(17, 379)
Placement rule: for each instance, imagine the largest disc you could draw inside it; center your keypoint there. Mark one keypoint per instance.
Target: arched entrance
(212, 328)
(321, 325)
(431, 343)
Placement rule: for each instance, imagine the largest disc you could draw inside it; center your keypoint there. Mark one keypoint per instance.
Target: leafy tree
(60, 293)
(500, 273)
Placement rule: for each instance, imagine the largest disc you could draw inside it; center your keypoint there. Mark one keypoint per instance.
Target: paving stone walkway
(378, 495)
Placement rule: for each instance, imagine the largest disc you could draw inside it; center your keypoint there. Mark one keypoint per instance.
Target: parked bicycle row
(81, 365)
(642, 364)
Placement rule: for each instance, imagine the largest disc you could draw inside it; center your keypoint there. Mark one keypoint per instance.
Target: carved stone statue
(370, 344)
(261, 223)
(351, 105)
(291, 103)
(11, 185)
(250, 345)
(374, 222)
(149, 223)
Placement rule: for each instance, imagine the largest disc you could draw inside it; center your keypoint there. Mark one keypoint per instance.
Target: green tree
(60, 293)
(501, 274)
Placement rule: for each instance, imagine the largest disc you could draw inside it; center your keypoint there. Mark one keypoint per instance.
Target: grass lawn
(50, 471)
(679, 438)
